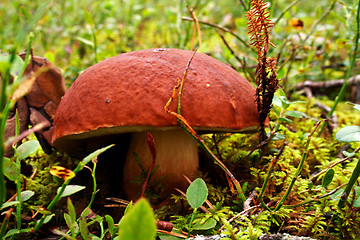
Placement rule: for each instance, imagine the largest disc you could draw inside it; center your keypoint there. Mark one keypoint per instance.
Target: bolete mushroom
(128, 92)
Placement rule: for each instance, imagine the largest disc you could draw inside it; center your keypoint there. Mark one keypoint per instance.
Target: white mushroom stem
(176, 156)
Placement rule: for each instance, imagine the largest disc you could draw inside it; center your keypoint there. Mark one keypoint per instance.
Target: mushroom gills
(176, 157)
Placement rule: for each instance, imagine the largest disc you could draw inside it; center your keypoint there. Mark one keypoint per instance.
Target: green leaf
(11, 232)
(357, 107)
(285, 102)
(280, 92)
(48, 218)
(15, 67)
(72, 225)
(68, 221)
(128, 207)
(111, 225)
(164, 236)
(83, 226)
(357, 197)
(93, 155)
(284, 119)
(27, 148)
(329, 175)
(89, 214)
(26, 195)
(88, 17)
(348, 134)
(85, 41)
(41, 210)
(11, 169)
(295, 114)
(9, 204)
(276, 111)
(348, 154)
(197, 193)
(296, 102)
(64, 235)
(94, 237)
(337, 195)
(71, 210)
(208, 224)
(277, 102)
(278, 136)
(70, 189)
(139, 223)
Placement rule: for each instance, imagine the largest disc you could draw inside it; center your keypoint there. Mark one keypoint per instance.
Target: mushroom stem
(176, 156)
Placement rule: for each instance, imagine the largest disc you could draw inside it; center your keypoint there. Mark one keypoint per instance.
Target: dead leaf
(62, 172)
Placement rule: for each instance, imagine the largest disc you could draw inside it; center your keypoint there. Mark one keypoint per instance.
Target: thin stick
(221, 28)
(186, 126)
(242, 62)
(238, 215)
(196, 28)
(285, 10)
(332, 165)
(36, 128)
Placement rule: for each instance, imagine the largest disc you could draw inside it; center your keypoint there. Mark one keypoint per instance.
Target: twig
(285, 10)
(355, 80)
(26, 133)
(238, 215)
(217, 147)
(172, 233)
(228, 47)
(248, 201)
(242, 62)
(221, 28)
(244, 5)
(196, 28)
(323, 16)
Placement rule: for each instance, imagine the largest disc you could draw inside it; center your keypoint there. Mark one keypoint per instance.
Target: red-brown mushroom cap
(128, 92)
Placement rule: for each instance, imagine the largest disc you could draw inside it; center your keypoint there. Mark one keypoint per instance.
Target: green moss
(322, 151)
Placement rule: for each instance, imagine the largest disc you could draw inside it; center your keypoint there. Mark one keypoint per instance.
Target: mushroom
(127, 94)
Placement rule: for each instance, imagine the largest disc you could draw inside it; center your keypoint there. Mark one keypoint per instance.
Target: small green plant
(281, 108)
(80, 226)
(64, 186)
(349, 134)
(13, 171)
(196, 195)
